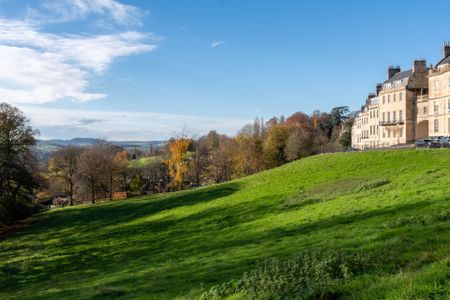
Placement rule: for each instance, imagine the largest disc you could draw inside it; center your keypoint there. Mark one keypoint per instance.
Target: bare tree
(90, 172)
(63, 165)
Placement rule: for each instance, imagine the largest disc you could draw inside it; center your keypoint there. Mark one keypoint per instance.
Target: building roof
(399, 76)
(444, 61)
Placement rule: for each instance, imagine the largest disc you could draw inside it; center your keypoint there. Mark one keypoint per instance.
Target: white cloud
(39, 67)
(217, 44)
(123, 125)
(70, 10)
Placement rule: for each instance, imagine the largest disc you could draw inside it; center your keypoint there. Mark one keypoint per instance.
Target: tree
(198, 161)
(17, 164)
(157, 175)
(275, 144)
(339, 115)
(90, 172)
(346, 136)
(63, 166)
(121, 169)
(178, 164)
(114, 166)
(299, 144)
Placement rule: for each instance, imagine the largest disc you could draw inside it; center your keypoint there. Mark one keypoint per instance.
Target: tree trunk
(110, 188)
(71, 194)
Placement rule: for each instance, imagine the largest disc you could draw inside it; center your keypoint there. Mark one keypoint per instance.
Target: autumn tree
(275, 145)
(178, 164)
(121, 169)
(17, 164)
(250, 148)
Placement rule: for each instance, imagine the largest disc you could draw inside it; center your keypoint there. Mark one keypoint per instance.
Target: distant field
(142, 162)
(388, 210)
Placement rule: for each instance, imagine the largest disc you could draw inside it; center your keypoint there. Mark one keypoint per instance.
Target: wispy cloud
(217, 44)
(70, 10)
(39, 67)
(123, 125)
(182, 28)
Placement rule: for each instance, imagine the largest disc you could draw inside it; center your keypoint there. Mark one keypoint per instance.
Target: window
(424, 110)
(400, 96)
(448, 105)
(395, 96)
(436, 85)
(377, 113)
(383, 99)
(389, 116)
(400, 116)
(384, 115)
(400, 132)
(389, 132)
(436, 125)
(389, 98)
(394, 132)
(448, 79)
(448, 124)
(394, 116)
(436, 106)
(384, 134)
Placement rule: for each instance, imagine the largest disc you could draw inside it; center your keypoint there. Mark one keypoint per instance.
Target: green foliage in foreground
(369, 225)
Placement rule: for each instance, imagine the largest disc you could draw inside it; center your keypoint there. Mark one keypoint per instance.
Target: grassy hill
(384, 216)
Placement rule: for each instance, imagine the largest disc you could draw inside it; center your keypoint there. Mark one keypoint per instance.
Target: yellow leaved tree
(178, 164)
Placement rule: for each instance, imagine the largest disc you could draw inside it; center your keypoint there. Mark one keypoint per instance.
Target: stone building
(437, 107)
(389, 117)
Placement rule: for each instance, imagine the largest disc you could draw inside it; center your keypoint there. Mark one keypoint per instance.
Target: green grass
(394, 205)
(142, 162)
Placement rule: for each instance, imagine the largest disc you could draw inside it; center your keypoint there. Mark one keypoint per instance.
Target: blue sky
(145, 69)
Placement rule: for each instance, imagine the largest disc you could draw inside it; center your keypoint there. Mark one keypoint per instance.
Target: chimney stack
(393, 70)
(446, 49)
(379, 88)
(420, 66)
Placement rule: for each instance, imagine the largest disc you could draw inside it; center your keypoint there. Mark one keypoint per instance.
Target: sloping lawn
(391, 205)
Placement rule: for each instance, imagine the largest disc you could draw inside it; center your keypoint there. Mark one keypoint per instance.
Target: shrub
(306, 276)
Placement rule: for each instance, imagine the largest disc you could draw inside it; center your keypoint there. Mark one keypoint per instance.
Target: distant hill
(45, 147)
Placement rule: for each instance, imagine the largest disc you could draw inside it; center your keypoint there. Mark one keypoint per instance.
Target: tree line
(100, 172)
(258, 146)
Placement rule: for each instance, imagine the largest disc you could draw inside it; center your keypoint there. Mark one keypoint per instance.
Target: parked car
(445, 142)
(435, 142)
(423, 143)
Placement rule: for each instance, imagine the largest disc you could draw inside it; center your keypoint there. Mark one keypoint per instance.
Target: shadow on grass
(103, 214)
(171, 257)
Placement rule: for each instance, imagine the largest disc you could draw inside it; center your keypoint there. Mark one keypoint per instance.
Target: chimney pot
(420, 66)
(393, 70)
(446, 50)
